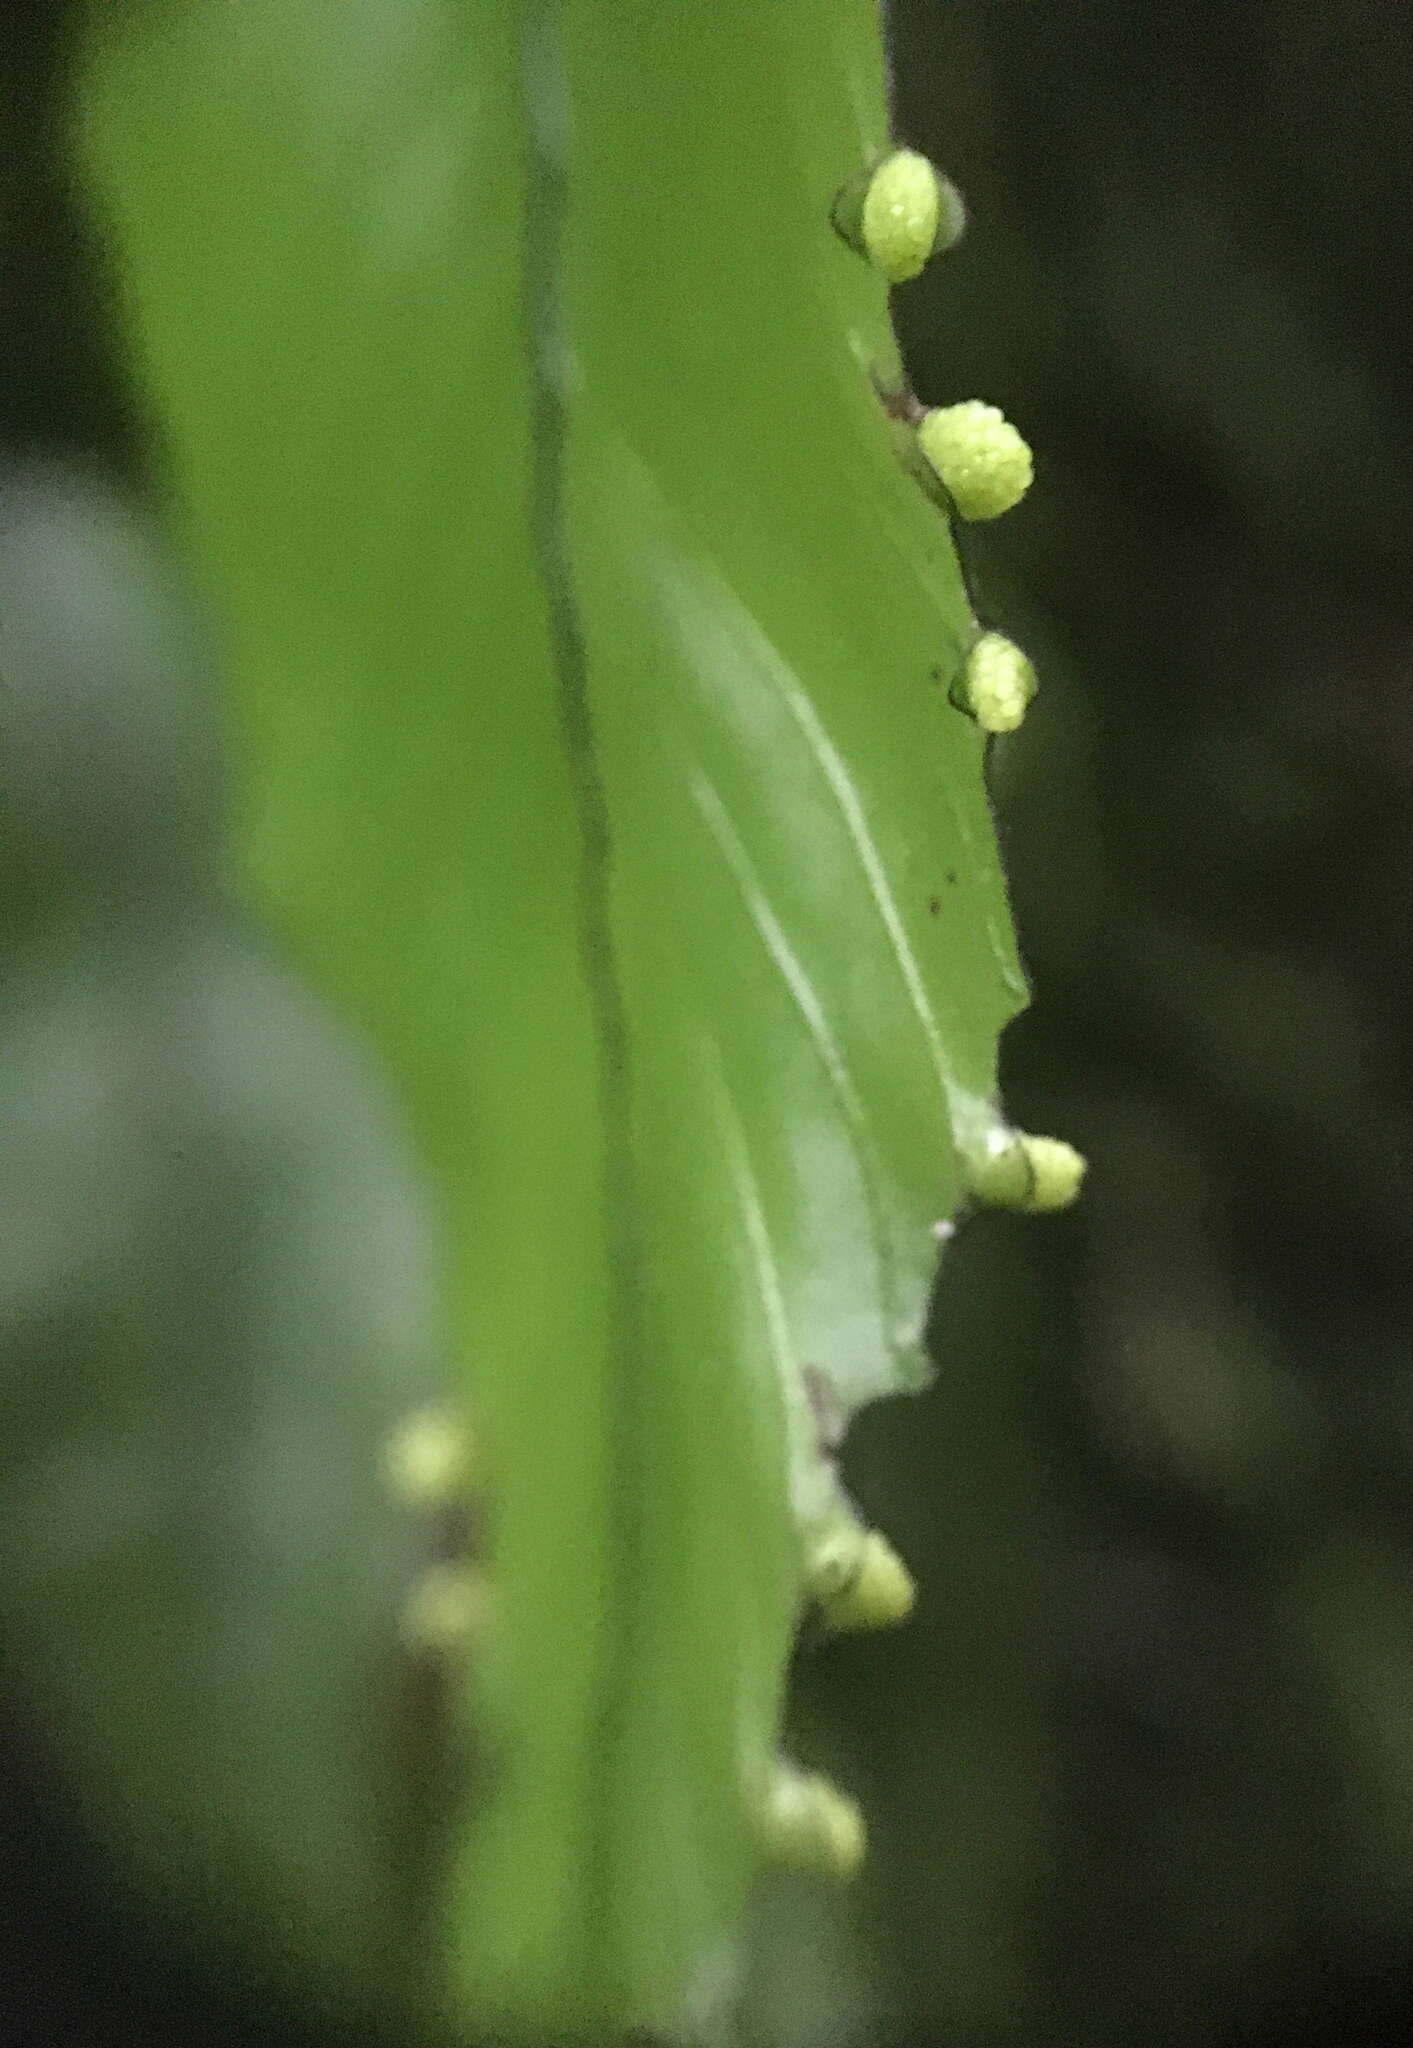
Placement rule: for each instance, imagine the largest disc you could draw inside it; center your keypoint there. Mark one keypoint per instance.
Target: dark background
(1162, 1507)
(1142, 1770)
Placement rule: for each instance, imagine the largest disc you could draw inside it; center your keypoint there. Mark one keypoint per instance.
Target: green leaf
(589, 650)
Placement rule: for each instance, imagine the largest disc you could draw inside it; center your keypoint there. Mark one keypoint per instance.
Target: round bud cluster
(899, 214)
(984, 465)
(909, 213)
(996, 684)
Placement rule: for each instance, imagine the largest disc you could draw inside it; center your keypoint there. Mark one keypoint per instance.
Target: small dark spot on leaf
(952, 877)
(830, 1420)
(901, 404)
(934, 905)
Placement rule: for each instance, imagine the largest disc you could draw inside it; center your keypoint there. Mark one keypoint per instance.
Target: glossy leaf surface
(588, 649)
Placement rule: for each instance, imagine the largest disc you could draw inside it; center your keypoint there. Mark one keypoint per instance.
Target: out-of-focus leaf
(217, 1299)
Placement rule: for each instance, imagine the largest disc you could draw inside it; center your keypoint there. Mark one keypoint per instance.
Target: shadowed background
(1148, 1754)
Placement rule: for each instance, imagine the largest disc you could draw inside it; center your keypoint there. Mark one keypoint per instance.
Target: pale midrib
(626, 1356)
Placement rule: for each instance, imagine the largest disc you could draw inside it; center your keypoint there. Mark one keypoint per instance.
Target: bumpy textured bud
(1017, 1170)
(900, 214)
(809, 1824)
(996, 684)
(857, 1579)
(984, 464)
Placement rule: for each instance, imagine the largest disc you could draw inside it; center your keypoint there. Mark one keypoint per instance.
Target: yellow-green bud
(899, 214)
(1017, 1170)
(984, 464)
(996, 684)
(1057, 1172)
(809, 1824)
(428, 1459)
(909, 212)
(857, 1579)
